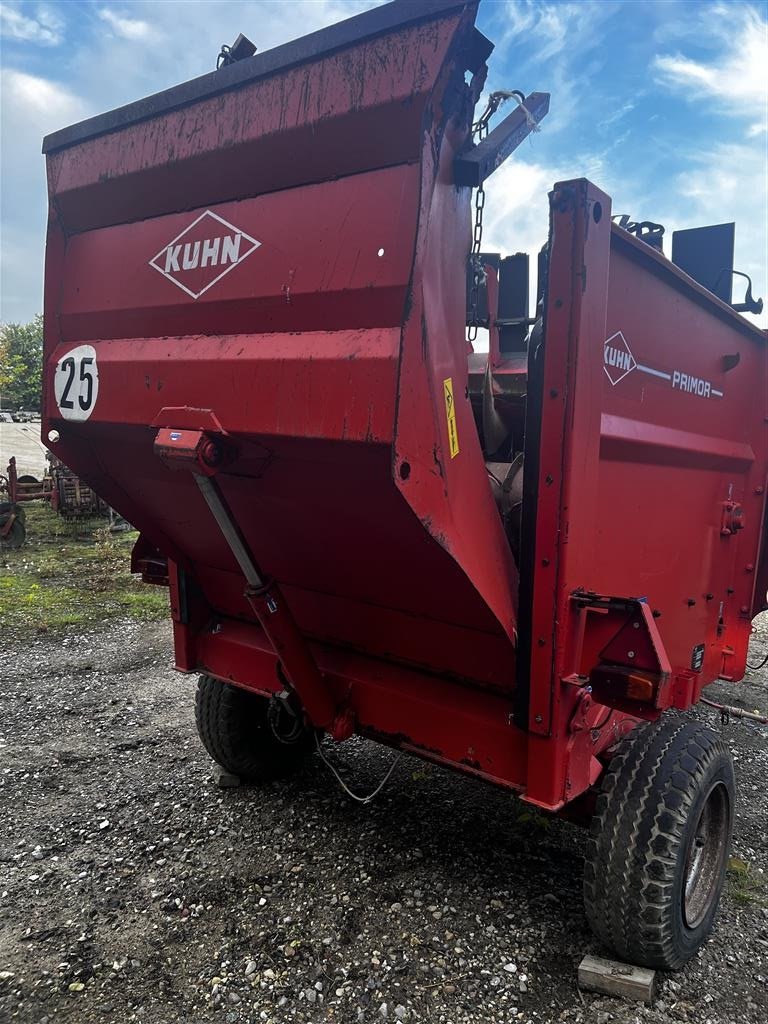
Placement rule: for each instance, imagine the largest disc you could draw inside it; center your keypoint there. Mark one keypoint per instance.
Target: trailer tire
(242, 732)
(658, 845)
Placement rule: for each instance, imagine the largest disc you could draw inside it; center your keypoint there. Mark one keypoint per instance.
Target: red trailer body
(255, 351)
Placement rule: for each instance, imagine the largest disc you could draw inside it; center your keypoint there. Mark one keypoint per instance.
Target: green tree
(21, 363)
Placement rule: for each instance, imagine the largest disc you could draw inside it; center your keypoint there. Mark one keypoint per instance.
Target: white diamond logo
(618, 360)
(203, 253)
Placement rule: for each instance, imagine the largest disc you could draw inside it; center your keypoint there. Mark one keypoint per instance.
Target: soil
(133, 888)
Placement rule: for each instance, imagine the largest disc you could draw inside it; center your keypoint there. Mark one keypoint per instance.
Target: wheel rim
(706, 853)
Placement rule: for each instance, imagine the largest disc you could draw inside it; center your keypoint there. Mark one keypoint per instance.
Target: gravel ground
(132, 888)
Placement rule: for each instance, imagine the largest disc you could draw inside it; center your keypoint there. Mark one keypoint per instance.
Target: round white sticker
(76, 383)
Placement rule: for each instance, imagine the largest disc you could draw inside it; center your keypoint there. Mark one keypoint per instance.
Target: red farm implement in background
(509, 563)
(66, 493)
(15, 491)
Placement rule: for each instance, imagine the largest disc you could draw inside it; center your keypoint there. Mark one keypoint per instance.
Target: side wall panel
(683, 433)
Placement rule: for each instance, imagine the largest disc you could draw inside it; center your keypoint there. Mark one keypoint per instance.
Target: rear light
(612, 684)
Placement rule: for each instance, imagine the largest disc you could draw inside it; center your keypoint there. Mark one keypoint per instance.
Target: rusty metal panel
(280, 59)
(310, 123)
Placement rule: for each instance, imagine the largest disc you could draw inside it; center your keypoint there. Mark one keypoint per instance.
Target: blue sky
(663, 105)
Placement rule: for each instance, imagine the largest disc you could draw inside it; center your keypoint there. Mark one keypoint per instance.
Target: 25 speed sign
(76, 383)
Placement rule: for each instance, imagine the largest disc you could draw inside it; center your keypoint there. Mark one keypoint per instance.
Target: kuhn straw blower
(511, 563)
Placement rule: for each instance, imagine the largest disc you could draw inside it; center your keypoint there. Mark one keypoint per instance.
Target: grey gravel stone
(183, 910)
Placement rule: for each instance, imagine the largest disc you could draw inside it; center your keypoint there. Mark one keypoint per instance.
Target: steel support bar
(274, 616)
(474, 167)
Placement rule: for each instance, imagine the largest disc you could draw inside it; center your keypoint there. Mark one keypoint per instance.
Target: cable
(495, 100)
(607, 717)
(726, 712)
(756, 668)
(345, 787)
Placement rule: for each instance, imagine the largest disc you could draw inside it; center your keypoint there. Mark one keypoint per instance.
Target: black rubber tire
(235, 728)
(27, 478)
(663, 782)
(15, 536)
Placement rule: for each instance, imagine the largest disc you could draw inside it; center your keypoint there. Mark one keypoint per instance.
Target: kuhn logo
(618, 361)
(203, 253)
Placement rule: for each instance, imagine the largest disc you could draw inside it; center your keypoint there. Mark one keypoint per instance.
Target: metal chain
(480, 129)
(495, 100)
(478, 271)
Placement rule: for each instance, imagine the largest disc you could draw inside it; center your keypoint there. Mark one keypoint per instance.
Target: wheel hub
(706, 851)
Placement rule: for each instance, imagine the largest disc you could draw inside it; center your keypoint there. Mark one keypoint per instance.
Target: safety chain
(478, 270)
(495, 100)
(480, 130)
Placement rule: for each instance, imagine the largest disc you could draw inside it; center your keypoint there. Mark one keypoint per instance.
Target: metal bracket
(474, 167)
(203, 455)
(624, 654)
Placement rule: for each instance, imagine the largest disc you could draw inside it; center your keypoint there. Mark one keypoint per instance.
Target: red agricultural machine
(512, 564)
(66, 493)
(15, 491)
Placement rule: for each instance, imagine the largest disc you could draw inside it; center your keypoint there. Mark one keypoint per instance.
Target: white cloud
(46, 28)
(736, 76)
(517, 210)
(727, 181)
(128, 28)
(608, 123)
(715, 195)
(39, 97)
(31, 107)
(553, 28)
(708, 192)
(555, 46)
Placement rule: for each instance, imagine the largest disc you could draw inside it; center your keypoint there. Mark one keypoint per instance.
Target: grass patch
(744, 884)
(72, 573)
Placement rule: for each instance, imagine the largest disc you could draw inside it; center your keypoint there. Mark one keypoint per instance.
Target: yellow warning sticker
(450, 415)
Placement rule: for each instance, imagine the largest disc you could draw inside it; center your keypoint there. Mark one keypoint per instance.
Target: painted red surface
(320, 358)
